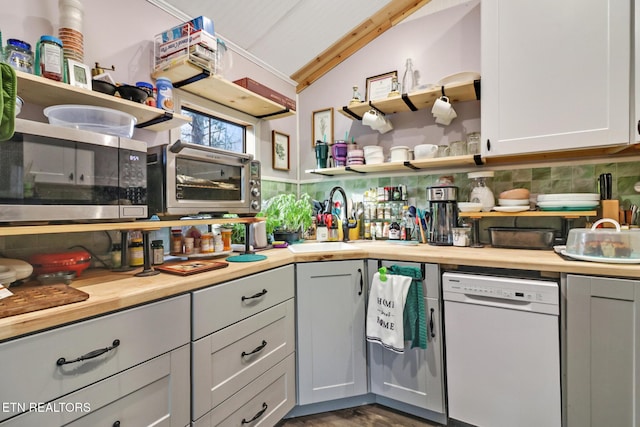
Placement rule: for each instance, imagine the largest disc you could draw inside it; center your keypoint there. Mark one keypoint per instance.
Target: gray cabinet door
(416, 376)
(603, 351)
(330, 337)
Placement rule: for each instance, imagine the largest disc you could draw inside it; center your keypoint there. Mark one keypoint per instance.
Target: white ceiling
(284, 35)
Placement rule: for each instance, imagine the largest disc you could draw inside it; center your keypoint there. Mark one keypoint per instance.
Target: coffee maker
(443, 214)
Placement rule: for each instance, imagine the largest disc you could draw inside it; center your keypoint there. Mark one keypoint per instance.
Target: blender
(443, 218)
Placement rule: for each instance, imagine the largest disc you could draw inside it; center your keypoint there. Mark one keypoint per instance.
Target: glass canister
(18, 54)
(473, 143)
(479, 191)
(50, 58)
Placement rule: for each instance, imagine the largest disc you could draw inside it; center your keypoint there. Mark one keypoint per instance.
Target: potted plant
(287, 217)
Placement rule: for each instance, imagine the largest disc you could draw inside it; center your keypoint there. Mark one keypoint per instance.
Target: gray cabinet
(330, 303)
(140, 376)
(243, 350)
(603, 351)
(415, 377)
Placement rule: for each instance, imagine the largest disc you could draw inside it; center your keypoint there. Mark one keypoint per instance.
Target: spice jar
(136, 253)
(157, 252)
(226, 238)
(50, 58)
(18, 54)
(176, 241)
(148, 88)
(480, 191)
(116, 256)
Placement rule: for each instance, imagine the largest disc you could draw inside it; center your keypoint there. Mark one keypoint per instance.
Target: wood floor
(361, 416)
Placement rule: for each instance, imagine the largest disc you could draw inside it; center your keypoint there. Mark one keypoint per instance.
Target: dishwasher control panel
(539, 291)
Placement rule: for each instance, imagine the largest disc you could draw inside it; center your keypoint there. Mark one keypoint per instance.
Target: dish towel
(8, 92)
(415, 325)
(385, 318)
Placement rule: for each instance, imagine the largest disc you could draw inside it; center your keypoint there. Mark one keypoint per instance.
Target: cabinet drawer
(219, 367)
(155, 393)
(143, 332)
(219, 306)
(267, 399)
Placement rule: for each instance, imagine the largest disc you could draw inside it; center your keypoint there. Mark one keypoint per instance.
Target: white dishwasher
(502, 350)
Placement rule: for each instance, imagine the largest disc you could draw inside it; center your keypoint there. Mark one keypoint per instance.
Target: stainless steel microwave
(52, 173)
(191, 179)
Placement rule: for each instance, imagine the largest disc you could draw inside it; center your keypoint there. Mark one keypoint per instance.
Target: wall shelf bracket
(202, 75)
(167, 115)
(407, 101)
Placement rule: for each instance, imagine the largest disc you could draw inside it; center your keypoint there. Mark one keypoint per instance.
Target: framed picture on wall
(378, 87)
(322, 126)
(280, 150)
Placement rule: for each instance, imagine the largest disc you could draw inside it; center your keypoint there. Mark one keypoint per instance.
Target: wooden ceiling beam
(393, 13)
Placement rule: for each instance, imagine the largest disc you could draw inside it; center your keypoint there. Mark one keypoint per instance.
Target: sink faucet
(344, 213)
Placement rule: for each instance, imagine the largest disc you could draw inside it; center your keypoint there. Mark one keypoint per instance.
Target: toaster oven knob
(252, 183)
(255, 205)
(255, 192)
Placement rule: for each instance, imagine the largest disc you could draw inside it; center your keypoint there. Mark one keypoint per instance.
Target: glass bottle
(408, 78)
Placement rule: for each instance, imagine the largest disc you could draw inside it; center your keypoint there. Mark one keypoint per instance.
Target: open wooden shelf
(193, 78)
(415, 165)
(19, 230)
(46, 92)
(563, 214)
(414, 101)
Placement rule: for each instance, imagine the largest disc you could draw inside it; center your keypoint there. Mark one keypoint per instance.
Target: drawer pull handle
(258, 295)
(433, 333)
(361, 282)
(90, 355)
(256, 416)
(255, 350)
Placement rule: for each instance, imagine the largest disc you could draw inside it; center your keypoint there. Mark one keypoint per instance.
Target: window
(212, 131)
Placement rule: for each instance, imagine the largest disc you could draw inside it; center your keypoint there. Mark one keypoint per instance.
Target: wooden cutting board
(38, 297)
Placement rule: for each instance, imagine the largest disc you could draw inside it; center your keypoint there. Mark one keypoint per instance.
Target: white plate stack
(512, 205)
(568, 201)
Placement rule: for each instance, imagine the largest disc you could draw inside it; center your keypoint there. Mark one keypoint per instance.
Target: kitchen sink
(305, 248)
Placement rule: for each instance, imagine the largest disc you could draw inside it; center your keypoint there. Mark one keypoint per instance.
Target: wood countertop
(109, 291)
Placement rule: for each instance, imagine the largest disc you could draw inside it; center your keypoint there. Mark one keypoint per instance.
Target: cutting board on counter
(38, 297)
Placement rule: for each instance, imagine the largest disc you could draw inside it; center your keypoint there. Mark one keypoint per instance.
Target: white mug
(443, 150)
(446, 120)
(441, 107)
(370, 118)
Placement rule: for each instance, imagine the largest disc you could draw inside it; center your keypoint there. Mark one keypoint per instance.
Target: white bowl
(92, 118)
(469, 207)
(425, 151)
(399, 153)
(513, 202)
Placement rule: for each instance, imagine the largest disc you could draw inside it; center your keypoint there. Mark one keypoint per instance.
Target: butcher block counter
(109, 291)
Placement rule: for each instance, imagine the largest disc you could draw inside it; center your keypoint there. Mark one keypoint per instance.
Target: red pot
(76, 261)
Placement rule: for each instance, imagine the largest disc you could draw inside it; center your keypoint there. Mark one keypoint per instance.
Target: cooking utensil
(46, 263)
(521, 238)
(605, 181)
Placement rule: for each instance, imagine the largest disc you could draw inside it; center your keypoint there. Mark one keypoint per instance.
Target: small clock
(79, 74)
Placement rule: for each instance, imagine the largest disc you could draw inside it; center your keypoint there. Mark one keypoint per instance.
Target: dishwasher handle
(520, 305)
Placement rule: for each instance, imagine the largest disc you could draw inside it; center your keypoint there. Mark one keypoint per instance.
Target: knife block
(611, 210)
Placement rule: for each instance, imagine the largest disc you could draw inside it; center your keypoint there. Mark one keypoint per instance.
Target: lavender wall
(121, 33)
(439, 44)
